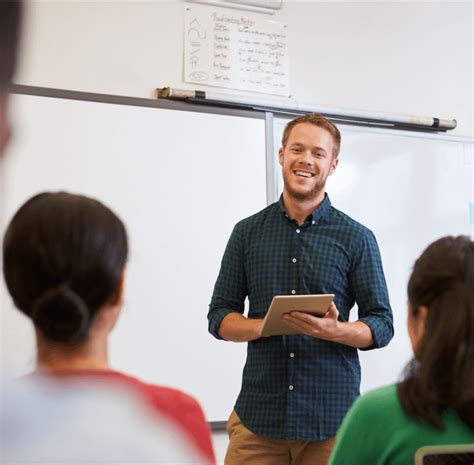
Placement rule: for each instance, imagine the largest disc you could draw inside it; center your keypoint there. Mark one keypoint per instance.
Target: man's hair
(442, 373)
(10, 18)
(317, 120)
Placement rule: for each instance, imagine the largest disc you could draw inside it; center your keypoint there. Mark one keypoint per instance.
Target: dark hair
(317, 120)
(10, 18)
(441, 375)
(63, 256)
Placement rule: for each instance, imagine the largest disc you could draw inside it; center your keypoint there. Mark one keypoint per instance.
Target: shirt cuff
(379, 330)
(215, 320)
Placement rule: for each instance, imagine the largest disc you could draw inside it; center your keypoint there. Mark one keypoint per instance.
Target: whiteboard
(180, 181)
(409, 189)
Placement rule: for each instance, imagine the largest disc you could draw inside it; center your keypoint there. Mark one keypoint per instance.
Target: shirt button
(294, 260)
(290, 387)
(292, 355)
(293, 291)
(298, 231)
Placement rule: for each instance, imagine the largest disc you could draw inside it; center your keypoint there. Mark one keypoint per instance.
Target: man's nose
(307, 158)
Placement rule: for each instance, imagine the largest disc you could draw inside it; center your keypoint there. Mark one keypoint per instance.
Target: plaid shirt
(299, 387)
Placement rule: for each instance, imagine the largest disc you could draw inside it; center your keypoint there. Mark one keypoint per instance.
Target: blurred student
(10, 17)
(434, 404)
(46, 422)
(64, 260)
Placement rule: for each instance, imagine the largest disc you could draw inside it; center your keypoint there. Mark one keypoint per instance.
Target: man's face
(307, 160)
(5, 129)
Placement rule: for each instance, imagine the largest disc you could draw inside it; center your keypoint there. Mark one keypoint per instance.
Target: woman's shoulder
(164, 398)
(172, 397)
(181, 408)
(382, 406)
(378, 401)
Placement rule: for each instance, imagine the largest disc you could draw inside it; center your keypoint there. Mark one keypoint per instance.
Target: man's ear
(280, 156)
(334, 163)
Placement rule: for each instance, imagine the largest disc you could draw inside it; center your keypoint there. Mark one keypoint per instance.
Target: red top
(180, 408)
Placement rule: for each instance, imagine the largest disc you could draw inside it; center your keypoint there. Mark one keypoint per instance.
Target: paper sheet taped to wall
(234, 51)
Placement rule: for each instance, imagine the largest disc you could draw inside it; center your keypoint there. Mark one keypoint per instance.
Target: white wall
(404, 57)
(400, 57)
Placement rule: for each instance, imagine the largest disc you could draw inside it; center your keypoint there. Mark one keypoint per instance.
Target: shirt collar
(317, 213)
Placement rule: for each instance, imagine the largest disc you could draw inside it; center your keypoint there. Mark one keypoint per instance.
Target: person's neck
(53, 357)
(299, 210)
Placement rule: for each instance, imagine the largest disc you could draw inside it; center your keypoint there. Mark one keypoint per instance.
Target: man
(296, 389)
(10, 13)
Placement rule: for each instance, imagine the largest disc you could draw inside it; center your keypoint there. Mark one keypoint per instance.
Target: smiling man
(296, 389)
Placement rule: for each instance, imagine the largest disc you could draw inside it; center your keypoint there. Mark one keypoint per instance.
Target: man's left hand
(326, 327)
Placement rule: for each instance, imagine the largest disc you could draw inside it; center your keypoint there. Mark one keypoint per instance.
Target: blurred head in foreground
(10, 18)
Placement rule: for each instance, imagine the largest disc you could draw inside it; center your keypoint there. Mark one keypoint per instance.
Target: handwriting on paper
(233, 51)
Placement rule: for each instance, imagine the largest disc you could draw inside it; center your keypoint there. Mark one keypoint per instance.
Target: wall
(405, 57)
(400, 57)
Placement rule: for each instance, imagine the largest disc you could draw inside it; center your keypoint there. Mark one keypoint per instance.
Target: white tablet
(316, 304)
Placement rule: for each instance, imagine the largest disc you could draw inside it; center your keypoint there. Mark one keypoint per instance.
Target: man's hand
(326, 327)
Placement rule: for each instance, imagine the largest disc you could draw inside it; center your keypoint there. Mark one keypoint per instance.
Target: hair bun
(61, 315)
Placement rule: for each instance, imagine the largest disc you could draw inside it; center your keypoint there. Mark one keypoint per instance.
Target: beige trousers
(247, 448)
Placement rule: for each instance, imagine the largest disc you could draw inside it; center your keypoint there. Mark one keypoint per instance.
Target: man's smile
(304, 174)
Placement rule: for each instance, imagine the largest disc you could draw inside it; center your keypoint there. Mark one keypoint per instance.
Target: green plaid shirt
(299, 387)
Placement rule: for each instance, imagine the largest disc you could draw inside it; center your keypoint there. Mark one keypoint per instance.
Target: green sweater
(376, 431)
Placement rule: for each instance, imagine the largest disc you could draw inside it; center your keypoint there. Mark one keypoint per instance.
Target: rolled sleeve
(230, 289)
(381, 329)
(369, 288)
(215, 317)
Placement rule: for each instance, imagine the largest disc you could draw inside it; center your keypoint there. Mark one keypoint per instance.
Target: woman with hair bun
(64, 259)
(434, 403)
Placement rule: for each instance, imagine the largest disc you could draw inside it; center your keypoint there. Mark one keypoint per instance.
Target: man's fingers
(332, 312)
(300, 324)
(304, 316)
(304, 319)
